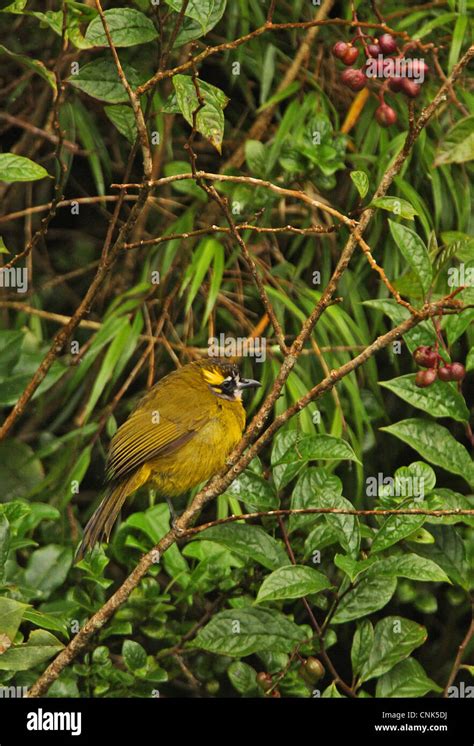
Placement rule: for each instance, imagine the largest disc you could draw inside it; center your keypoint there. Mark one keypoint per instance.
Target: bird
(178, 436)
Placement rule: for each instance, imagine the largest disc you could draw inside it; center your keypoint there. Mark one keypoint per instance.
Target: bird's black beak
(248, 383)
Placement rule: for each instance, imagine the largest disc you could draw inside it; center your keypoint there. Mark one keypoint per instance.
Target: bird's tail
(102, 521)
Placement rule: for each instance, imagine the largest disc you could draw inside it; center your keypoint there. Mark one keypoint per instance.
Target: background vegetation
(377, 604)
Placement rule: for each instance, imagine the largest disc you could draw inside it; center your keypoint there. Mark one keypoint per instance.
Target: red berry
(387, 44)
(458, 371)
(395, 84)
(264, 680)
(444, 373)
(425, 378)
(373, 50)
(350, 55)
(385, 115)
(410, 88)
(339, 49)
(425, 356)
(354, 79)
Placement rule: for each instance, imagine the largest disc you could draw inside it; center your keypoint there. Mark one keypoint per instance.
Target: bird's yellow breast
(203, 455)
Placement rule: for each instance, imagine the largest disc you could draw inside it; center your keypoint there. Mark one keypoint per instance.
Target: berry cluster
(435, 367)
(396, 73)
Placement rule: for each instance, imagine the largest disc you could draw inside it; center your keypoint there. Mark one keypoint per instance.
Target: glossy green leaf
(394, 640)
(370, 594)
(47, 568)
(414, 252)
(123, 118)
(100, 80)
(440, 399)
(362, 643)
(436, 444)
(361, 182)
(41, 646)
(18, 168)
(293, 581)
(11, 614)
(200, 17)
(397, 527)
(397, 205)
(319, 448)
(127, 27)
(406, 679)
(248, 541)
(412, 566)
(210, 117)
(241, 632)
(310, 492)
(133, 654)
(457, 145)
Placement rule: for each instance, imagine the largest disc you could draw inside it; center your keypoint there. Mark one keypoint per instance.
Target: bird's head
(223, 378)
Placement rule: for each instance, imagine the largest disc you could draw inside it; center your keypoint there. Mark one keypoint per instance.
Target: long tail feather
(102, 521)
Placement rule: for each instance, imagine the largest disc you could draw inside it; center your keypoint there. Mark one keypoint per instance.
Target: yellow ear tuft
(213, 376)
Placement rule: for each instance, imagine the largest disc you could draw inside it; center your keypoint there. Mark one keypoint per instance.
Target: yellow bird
(178, 436)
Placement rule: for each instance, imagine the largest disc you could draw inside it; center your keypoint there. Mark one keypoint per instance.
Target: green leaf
(457, 145)
(17, 168)
(310, 492)
(397, 205)
(41, 645)
(293, 581)
(100, 80)
(319, 448)
(394, 640)
(46, 621)
(123, 118)
(412, 566)
(445, 499)
(397, 527)
(436, 444)
(361, 182)
(406, 679)
(255, 491)
(38, 67)
(414, 251)
(241, 632)
(3, 248)
(283, 474)
(449, 552)
(352, 567)
(134, 655)
(210, 118)
(20, 471)
(47, 568)
(255, 157)
(201, 17)
(243, 678)
(251, 542)
(11, 614)
(371, 593)
(127, 27)
(440, 399)
(362, 643)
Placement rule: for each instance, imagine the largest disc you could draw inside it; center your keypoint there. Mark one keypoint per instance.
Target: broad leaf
(241, 632)
(293, 581)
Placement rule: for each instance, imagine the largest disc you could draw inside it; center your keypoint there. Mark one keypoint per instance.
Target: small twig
(460, 653)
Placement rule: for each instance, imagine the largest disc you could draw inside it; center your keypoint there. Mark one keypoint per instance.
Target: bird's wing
(154, 429)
